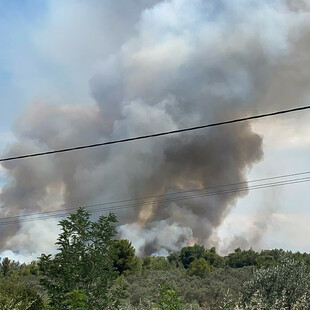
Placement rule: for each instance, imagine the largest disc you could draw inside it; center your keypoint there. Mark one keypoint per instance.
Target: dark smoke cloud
(171, 64)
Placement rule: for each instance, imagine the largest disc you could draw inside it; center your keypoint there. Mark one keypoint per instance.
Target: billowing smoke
(161, 65)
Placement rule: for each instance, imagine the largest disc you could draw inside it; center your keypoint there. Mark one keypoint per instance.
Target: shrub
(285, 286)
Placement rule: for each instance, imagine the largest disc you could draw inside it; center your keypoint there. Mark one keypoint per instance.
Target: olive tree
(285, 286)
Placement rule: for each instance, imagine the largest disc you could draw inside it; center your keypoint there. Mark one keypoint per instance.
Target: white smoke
(162, 236)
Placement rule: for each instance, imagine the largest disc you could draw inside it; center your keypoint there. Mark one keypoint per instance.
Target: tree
(264, 261)
(5, 266)
(213, 258)
(175, 259)
(30, 269)
(240, 259)
(124, 257)
(9, 267)
(84, 261)
(190, 253)
(199, 268)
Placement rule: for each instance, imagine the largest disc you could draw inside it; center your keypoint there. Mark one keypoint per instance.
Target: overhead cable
(159, 134)
(170, 194)
(105, 207)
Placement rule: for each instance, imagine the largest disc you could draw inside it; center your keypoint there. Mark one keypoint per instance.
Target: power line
(173, 199)
(147, 198)
(159, 134)
(121, 207)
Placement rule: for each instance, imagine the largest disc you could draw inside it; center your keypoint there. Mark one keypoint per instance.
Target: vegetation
(94, 270)
(285, 286)
(124, 257)
(83, 263)
(18, 296)
(169, 298)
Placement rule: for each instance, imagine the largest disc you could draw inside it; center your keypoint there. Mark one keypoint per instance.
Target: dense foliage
(280, 287)
(208, 292)
(94, 270)
(18, 296)
(124, 257)
(84, 261)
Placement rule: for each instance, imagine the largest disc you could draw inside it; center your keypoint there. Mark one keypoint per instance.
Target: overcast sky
(51, 52)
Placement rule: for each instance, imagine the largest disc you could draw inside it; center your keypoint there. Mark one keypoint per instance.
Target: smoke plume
(156, 66)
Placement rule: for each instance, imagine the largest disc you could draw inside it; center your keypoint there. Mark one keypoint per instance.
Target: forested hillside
(94, 270)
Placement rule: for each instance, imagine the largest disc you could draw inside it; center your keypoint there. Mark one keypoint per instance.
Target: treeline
(196, 260)
(94, 270)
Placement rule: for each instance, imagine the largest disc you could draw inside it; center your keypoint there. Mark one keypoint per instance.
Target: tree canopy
(124, 257)
(83, 261)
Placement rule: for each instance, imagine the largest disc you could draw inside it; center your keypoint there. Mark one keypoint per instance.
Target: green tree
(213, 258)
(264, 261)
(175, 259)
(5, 266)
(124, 257)
(239, 258)
(9, 267)
(30, 269)
(83, 261)
(199, 267)
(190, 253)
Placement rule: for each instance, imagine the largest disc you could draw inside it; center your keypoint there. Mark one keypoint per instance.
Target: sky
(82, 71)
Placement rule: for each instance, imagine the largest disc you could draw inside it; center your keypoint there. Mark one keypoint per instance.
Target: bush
(285, 286)
(18, 296)
(169, 299)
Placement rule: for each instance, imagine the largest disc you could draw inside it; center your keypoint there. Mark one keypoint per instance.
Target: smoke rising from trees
(155, 66)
